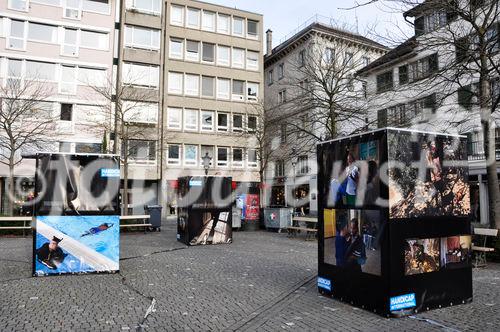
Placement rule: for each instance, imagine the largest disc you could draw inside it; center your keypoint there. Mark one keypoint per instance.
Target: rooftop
(326, 25)
(227, 7)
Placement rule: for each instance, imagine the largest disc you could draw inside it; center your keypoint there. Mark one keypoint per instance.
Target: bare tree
(323, 98)
(465, 36)
(26, 123)
(261, 133)
(125, 115)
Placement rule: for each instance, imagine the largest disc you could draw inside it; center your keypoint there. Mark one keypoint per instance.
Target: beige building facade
(213, 76)
(139, 66)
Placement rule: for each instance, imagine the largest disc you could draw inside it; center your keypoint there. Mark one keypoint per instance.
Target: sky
(285, 16)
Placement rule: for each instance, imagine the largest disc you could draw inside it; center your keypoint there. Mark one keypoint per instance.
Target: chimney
(269, 41)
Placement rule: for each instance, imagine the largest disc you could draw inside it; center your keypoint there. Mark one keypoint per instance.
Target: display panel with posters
(77, 221)
(353, 179)
(205, 210)
(417, 184)
(427, 176)
(431, 255)
(355, 244)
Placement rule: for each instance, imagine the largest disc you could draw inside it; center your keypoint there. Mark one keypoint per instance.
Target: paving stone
(261, 282)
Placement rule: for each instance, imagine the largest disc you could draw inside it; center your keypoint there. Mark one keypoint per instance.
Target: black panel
(426, 253)
(205, 210)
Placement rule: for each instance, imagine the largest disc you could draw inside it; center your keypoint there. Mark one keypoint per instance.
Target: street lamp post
(294, 189)
(206, 162)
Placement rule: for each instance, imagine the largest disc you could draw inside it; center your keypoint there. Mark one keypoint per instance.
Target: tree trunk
(491, 175)
(489, 142)
(11, 187)
(125, 185)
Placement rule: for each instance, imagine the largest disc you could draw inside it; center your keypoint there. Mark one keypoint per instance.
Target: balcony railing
(475, 150)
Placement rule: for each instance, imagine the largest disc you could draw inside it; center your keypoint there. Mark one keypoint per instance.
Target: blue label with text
(110, 172)
(403, 302)
(195, 183)
(325, 284)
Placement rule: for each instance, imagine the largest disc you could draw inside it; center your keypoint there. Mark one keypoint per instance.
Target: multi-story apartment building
(296, 72)
(139, 59)
(422, 84)
(213, 87)
(66, 45)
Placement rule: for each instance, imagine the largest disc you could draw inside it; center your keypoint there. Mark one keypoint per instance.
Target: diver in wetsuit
(98, 229)
(50, 254)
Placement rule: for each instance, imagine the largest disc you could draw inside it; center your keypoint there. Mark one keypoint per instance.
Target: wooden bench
(480, 251)
(144, 218)
(310, 230)
(26, 223)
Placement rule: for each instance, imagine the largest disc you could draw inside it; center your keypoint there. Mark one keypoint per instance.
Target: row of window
(72, 9)
(67, 76)
(211, 87)
(328, 57)
(206, 20)
(143, 38)
(430, 22)
(204, 120)
(468, 46)
(152, 7)
(301, 168)
(404, 114)
(140, 112)
(408, 73)
(208, 53)
(18, 32)
(191, 156)
(80, 147)
(141, 76)
(467, 96)
(133, 111)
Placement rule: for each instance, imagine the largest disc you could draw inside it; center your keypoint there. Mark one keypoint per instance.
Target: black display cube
(205, 210)
(394, 228)
(77, 214)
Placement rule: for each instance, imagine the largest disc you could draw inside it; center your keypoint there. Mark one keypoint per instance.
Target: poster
(356, 244)
(421, 256)
(427, 176)
(77, 184)
(354, 179)
(209, 227)
(431, 255)
(456, 252)
(252, 209)
(77, 244)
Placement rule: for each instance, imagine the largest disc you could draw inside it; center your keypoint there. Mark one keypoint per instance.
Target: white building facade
(298, 125)
(414, 86)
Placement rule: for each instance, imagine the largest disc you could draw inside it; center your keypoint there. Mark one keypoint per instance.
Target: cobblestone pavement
(263, 281)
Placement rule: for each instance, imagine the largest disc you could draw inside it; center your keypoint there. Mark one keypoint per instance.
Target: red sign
(252, 207)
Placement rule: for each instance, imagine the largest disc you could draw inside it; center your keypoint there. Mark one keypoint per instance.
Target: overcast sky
(284, 16)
